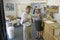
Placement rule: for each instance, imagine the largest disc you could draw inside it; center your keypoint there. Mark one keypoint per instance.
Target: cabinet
(49, 32)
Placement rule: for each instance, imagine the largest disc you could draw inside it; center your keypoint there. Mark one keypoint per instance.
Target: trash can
(18, 21)
(10, 32)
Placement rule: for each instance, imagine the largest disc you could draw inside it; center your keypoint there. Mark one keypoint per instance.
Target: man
(26, 21)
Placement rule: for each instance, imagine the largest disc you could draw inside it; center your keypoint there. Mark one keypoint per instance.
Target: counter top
(51, 23)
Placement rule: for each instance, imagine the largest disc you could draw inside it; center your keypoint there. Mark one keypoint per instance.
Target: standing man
(26, 21)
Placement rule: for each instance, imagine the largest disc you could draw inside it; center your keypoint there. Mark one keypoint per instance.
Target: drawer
(46, 28)
(46, 35)
(57, 32)
(51, 30)
(59, 38)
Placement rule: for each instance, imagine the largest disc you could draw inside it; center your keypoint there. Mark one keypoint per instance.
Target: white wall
(16, 4)
(9, 12)
(18, 7)
(22, 6)
(55, 2)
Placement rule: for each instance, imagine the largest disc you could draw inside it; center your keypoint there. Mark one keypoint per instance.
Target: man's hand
(26, 20)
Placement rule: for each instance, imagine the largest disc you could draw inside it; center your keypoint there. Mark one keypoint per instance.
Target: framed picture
(9, 7)
(54, 9)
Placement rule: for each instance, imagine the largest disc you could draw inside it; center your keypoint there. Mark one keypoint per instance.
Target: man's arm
(24, 19)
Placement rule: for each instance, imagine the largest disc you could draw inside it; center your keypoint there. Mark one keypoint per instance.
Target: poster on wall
(9, 7)
(40, 5)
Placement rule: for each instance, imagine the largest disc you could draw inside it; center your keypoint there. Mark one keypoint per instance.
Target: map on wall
(9, 7)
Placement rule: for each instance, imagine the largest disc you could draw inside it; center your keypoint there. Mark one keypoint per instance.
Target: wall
(16, 4)
(57, 3)
(17, 11)
(21, 8)
(9, 12)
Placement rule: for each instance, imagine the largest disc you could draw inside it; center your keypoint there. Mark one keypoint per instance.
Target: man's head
(28, 8)
(38, 10)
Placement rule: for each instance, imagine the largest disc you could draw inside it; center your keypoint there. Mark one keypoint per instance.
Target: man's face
(37, 10)
(28, 10)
